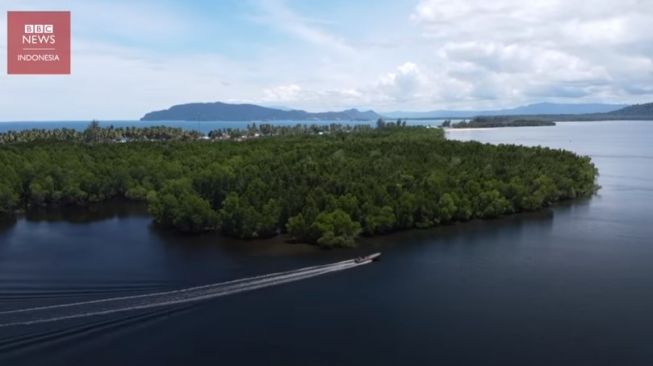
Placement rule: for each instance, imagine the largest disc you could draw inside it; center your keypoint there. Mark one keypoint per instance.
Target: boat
(368, 258)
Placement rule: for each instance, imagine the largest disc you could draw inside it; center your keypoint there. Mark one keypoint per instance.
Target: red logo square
(38, 42)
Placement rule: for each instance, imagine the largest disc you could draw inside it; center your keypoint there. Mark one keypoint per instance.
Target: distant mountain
(633, 112)
(555, 108)
(249, 112)
(642, 110)
(531, 109)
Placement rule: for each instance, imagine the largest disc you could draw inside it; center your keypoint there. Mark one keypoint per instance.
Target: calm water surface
(571, 285)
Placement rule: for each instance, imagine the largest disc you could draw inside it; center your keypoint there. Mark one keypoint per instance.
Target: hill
(531, 109)
(249, 112)
(633, 112)
(640, 110)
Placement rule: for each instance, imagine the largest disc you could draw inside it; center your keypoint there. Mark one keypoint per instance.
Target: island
(219, 111)
(324, 185)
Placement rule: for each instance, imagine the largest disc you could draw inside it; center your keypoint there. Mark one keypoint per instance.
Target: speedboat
(368, 258)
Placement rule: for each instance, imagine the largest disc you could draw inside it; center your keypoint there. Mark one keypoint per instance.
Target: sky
(130, 57)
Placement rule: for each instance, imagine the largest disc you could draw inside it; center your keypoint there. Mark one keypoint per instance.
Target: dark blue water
(570, 285)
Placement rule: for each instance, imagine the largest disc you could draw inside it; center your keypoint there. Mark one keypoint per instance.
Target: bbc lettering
(39, 34)
(39, 28)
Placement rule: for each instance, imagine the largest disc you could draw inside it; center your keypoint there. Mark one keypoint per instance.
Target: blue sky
(130, 57)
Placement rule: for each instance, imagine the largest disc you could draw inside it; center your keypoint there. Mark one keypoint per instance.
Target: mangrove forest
(324, 186)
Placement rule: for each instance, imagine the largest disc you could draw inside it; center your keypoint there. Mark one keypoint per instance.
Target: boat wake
(84, 309)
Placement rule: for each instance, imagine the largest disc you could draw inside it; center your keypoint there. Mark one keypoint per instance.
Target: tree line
(94, 133)
(322, 189)
(498, 121)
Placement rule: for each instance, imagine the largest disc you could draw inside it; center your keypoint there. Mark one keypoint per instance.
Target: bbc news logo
(39, 28)
(39, 34)
(38, 42)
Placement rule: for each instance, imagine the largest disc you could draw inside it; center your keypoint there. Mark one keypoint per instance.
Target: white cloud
(283, 93)
(435, 54)
(405, 83)
(521, 51)
(478, 53)
(313, 99)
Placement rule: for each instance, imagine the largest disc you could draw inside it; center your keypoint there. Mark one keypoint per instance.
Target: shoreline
(280, 244)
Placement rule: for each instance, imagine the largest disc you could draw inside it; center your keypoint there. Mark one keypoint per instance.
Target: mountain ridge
(219, 111)
(631, 112)
(529, 109)
(645, 109)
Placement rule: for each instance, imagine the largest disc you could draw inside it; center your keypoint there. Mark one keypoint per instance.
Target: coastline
(160, 210)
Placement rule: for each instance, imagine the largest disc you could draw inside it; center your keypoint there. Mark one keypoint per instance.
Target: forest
(326, 189)
(499, 121)
(94, 133)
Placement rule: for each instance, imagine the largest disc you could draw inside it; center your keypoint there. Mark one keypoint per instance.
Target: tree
(241, 219)
(492, 204)
(379, 220)
(446, 208)
(336, 229)
(298, 228)
(214, 183)
(177, 205)
(92, 132)
(8, 199)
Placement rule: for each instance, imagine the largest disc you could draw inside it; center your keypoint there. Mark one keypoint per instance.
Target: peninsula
(324, 185)
(499, 121)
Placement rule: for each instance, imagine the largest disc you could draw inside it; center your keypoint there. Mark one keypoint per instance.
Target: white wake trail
(83, 309)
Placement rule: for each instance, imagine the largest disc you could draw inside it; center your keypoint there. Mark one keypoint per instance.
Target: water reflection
(6, 223)
(276, 246)
(281, 245)
(86, 214)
